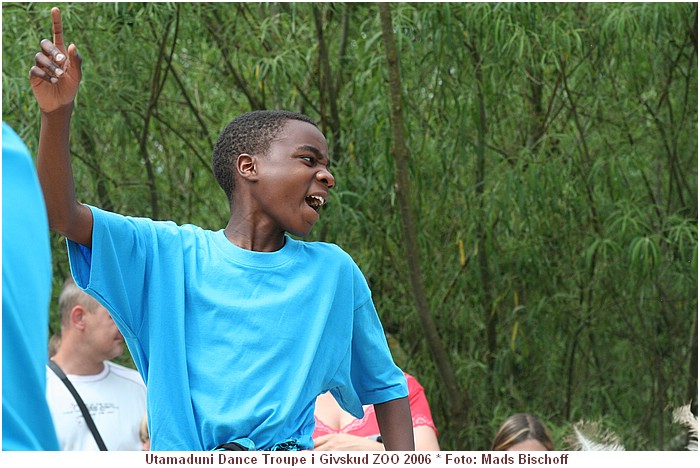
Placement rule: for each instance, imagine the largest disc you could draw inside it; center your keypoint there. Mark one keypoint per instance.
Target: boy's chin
(301, 233)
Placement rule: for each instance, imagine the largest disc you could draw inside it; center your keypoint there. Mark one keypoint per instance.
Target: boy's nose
(326, 177)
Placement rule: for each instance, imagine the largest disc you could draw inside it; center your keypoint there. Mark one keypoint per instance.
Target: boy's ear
(246, 166)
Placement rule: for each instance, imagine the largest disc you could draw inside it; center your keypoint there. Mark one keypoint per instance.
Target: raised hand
(57, 73)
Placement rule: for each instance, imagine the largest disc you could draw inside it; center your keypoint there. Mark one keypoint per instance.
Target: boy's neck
(249, 239)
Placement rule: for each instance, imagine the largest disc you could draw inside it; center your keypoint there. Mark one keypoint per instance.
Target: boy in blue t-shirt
(235, 331)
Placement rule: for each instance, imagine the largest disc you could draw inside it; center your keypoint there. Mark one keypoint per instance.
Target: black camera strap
(83, 409)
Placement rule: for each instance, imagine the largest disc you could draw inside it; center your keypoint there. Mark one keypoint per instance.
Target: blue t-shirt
(26, 293)
(234, 343)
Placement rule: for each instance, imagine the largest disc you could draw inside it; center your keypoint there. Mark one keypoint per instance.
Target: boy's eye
(309, 159)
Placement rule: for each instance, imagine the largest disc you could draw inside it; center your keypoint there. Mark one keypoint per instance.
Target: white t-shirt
(116, 399)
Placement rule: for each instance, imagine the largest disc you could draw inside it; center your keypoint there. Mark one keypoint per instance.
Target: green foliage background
(553, 174)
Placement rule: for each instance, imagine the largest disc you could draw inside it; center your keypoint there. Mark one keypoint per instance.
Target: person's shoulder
(161, 226)
(325, 249)
(50, 376)
(16, 160)
(185, 231)
(125, 372)
(12, 144)
(331, 255)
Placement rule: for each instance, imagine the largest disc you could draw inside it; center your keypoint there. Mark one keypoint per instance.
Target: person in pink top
(338, 430)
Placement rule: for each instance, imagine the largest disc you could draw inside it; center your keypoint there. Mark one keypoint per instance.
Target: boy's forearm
(55, 173)
(395, 424)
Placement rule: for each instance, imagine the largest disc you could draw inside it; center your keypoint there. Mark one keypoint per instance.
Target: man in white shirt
(115, 395)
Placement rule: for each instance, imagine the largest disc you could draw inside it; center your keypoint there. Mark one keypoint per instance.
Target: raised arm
(54, 79)
(395, 424)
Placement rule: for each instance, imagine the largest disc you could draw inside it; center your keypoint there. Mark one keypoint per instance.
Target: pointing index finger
(57, 28)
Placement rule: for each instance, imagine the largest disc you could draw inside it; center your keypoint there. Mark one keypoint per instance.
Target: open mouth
(315, 202)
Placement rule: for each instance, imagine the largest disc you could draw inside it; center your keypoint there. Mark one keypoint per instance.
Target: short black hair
(250, 133)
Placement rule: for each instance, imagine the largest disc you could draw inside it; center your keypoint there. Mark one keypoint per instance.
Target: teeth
(321, 201)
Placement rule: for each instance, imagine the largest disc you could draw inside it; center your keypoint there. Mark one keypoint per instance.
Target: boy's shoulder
(113, 219)
(324, 248)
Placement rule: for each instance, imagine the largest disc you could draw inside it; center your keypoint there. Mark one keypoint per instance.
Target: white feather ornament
(589, 436)
(685, 416)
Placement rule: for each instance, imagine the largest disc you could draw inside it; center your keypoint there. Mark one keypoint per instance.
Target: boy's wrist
(61, 113)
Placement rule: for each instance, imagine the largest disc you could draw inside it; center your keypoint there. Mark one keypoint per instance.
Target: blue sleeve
(375, 376)
(113, 273)
(135, 270)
